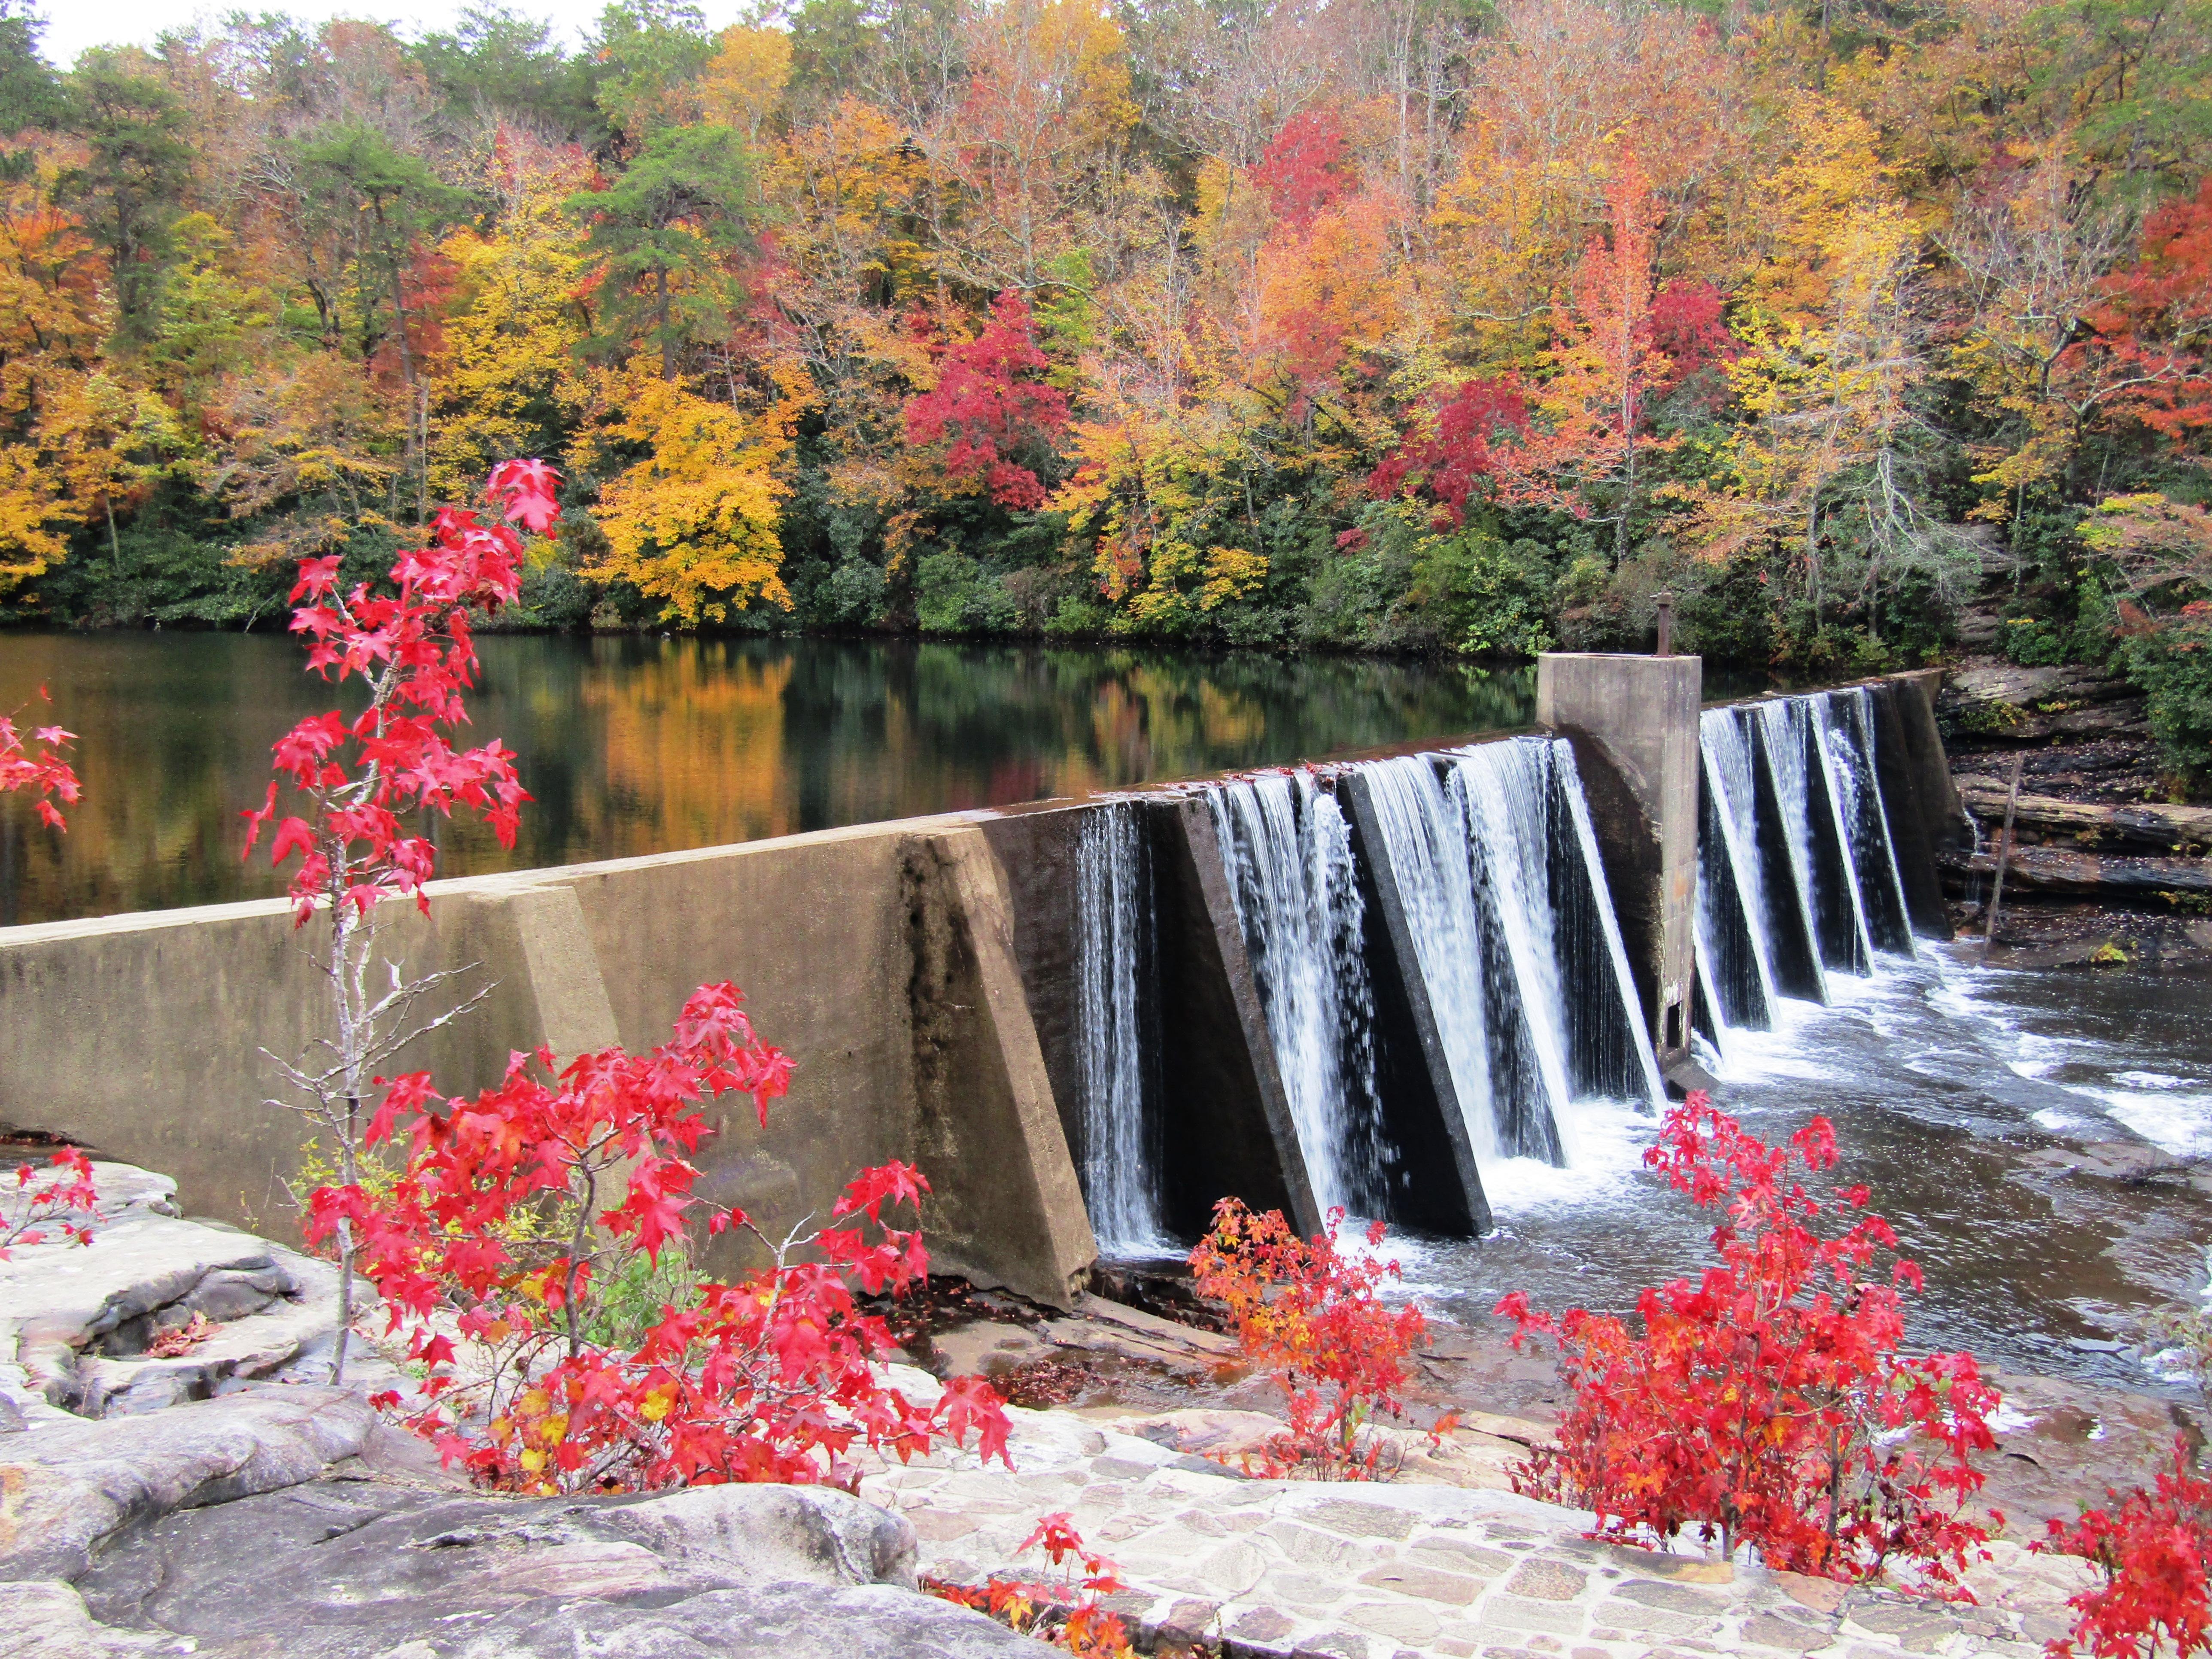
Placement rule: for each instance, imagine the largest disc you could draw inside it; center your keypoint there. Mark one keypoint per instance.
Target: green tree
(664, 234)
(389, 206)
(498, 62)
(129, 185)
(649, 52)
(30, 92)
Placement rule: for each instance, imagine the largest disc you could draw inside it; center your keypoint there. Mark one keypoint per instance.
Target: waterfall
(1798, 878)
(1847, 731)
(1786, 731)
(1424, 836)
(1115, 974)
(1515, 939)
(1616, 1055)
(1504, 794)
(1731, 912)
(1289, 855)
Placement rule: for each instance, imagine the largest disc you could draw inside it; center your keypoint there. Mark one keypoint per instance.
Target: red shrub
(1311, 1315)
(1064, 1612)
(502, 1229)
(1767, 1404)
(2154, 1551)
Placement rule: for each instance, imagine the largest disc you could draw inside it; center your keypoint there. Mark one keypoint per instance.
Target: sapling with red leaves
(1767, 1404)
(497, 1231)
(1065, 1610)
(2151, 1549)
(2152, 1554)
(39, 1205)
(1311, 1315)
(355, 778)
(36, 764)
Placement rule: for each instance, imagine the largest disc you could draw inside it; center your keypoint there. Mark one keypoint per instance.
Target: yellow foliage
(743, 82)
(32, 517)
(506, 369)
(694, 524)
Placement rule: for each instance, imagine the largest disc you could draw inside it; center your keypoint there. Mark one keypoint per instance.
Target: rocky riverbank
(175, 1478)
(2108, 868)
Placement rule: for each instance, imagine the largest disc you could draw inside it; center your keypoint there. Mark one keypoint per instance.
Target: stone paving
(1439, 1562)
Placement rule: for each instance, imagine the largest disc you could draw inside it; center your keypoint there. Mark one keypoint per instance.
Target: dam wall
(1386, 985)
(881, 958)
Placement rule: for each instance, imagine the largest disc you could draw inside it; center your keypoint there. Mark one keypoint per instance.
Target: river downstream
(1958, 1093)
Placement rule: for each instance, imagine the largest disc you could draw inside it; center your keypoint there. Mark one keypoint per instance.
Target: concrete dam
(1376, 984)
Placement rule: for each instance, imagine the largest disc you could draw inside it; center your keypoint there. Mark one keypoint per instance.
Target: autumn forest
(1383, 325)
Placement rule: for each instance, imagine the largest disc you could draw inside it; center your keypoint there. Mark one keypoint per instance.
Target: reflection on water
(1939, 1076)
(644, 745)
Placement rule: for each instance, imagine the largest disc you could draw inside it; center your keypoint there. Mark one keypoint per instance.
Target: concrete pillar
(1633, 723)
(1006, 1207)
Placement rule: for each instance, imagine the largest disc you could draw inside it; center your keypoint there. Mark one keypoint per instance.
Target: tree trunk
(661, 324)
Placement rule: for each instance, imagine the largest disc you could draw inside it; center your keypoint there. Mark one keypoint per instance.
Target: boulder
(358, 1569)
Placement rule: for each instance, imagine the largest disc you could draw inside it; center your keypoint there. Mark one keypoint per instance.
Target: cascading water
(1732, 924)
(1424, 835)
(1797, 877)
(1289, 855)
(1787, 732)
(1505, 905)
(1847, 731)
(1116, 972)
(1611, 1047)
(1504, 794)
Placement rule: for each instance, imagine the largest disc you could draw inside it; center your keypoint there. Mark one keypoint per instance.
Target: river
(638, 745)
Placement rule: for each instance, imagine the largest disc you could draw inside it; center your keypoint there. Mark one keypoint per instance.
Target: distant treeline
(1387, 323)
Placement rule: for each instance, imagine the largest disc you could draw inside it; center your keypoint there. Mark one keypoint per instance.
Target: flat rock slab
(1370, 1570)
(280, 1523)
(70, 1488)
(76, 1320)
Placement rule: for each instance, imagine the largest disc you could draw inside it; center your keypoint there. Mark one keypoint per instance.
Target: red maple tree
(991, 409)
(1311, 1315)
(518, 1209)
(1767, 1404)
(359, 778)
(1306, 167)
(2153, 1553)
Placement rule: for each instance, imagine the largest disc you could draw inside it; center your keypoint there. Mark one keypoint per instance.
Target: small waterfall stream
(1731, 916)
(1497, 867)
(1116, 971)
(1423, 835)
(1797, 877)
(1289, 855)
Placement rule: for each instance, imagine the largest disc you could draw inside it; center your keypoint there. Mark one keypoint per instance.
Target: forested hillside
(1383, 324)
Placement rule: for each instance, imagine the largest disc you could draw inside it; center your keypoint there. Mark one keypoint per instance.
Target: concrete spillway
(1383, 985)
(1807, 866)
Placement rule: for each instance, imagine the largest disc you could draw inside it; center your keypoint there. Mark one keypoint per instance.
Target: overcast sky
(73, 25)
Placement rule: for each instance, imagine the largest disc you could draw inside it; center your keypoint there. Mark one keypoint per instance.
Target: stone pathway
(1412, 1566)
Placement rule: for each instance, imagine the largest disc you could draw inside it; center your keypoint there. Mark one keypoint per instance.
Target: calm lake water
(636, 745)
